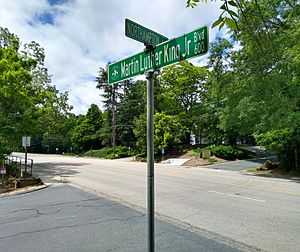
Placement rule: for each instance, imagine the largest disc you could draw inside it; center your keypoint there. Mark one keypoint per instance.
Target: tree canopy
(29, 103)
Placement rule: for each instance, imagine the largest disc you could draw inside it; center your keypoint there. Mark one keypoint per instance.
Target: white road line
(237, 196)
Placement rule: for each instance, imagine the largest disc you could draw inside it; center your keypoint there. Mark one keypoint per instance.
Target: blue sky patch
(57, 2)
(46, 18)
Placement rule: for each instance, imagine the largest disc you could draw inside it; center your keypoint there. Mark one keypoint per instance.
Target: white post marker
(25, 141)
(2, 170)
(25, 144)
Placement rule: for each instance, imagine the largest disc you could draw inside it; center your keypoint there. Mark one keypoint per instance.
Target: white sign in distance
(25, 141)
(2, 170)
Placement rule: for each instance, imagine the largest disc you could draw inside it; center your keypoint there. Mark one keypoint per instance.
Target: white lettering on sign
(145, 62)
(198, 36)
(142, 34)
(131, 68)
(171, 53)
(187, 43)
(175, 50)
(199, 42)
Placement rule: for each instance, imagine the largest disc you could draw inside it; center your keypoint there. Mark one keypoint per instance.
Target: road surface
(260, 212)
(64, 218)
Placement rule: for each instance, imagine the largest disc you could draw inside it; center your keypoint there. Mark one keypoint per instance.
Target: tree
(168, 132)
(29, 104)
(15, 89)
(216, 88)
(120, 113)
(110, 95)
(132, 103)
(272, 84)
(228, 16)
(57, 136)
(262, 94)
(86, 135)
(181, 92)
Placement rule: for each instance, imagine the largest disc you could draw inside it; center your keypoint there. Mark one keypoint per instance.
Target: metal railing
(24, 167)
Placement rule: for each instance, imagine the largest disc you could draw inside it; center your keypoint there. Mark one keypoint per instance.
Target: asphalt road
(64, 218)
(240, 165)
(230, 206)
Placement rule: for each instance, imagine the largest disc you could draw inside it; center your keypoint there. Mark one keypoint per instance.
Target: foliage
(105, 133)
(86, 134)
(228, 16)
(3, 151)
(29, 104)
(210, 159)
(132, 103)
(122, 104)
(180, 93)
(215, 94)
(253, 87)
(15, 88)
(228, 152)
(13, 169)
(107, 152)
(285, 143)
(168, 132)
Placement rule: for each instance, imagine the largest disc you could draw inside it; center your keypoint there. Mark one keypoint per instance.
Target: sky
(79, 36)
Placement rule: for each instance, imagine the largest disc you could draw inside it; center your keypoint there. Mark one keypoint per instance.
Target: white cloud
(87, 34)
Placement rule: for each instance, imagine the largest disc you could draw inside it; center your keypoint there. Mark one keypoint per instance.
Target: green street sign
(142, 34)
(188, 46)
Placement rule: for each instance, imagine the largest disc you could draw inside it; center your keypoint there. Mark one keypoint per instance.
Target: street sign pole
(2, 174)
(25, 144)
(25, 159)
(159, 52)
(150, 161)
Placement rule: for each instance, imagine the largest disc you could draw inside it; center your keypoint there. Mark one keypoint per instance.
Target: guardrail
(23, 166)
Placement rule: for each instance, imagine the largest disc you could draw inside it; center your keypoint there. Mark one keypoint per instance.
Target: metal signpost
(157, 54)
(25, 144)
(2, 172)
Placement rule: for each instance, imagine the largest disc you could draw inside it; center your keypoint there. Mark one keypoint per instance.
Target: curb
(23, 191)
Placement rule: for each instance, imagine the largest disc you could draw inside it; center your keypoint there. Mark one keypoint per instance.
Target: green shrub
(285, 143)
(194, 154)
(13, 169)
(228, 152)
(111, 156)
(107, 152)
(3, 152)
(198, 150)
(210, 159)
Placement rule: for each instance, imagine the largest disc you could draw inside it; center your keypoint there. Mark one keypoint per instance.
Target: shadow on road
(54, 171)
